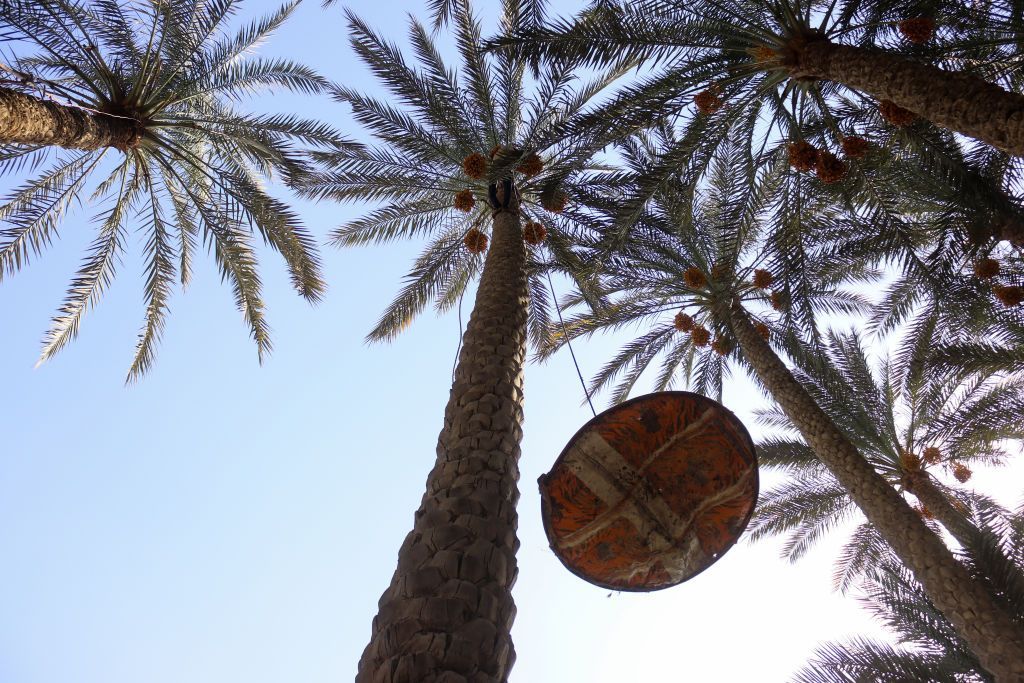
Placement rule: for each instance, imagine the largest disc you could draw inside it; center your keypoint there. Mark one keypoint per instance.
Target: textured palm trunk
(954, 100)
(28, 120)
(988, 631)
(448, 612)
(924, 489)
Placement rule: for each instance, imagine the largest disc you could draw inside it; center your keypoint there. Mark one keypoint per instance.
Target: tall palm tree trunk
(25, 119)
(924, 489)
(980, 540)
(448, 611)
(954, 100)
(989, 632)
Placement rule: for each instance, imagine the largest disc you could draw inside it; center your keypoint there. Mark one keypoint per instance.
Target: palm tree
(700, 256)
(720, 57)
(736, 48)
(936, 652)
(909, 422)
(471, 157)
(142, 96)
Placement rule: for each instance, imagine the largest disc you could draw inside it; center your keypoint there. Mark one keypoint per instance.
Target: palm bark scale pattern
(448, 612)
(957, 101)
(28, 120)
(988, 630)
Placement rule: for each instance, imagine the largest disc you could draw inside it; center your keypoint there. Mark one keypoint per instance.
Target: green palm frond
(199, 167)
(438, 114)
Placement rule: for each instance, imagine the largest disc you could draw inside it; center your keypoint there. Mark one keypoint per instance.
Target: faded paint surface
(650, 492)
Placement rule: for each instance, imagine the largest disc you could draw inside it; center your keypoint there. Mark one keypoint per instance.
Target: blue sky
(221, 521)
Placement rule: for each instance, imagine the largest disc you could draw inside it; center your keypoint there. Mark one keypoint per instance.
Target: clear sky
(222, 521)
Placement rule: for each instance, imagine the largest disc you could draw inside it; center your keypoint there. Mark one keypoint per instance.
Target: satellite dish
(651, 492)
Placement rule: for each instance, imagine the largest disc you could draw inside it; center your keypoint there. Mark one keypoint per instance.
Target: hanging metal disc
(651, 492)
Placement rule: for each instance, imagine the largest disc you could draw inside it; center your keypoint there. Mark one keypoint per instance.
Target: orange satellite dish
(651, 492)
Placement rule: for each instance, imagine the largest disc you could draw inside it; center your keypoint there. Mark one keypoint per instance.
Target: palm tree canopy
(906, 418)
(196, 170)
(716, 70)
(449, 135)
(693, 250)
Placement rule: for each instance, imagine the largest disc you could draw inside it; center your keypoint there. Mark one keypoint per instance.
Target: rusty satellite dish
(651, 492)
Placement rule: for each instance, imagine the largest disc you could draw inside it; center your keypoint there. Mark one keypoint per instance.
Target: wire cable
(568, 343)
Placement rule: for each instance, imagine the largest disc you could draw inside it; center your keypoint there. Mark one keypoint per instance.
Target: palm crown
(457, 133)
(193, 168)
(727, 70)
(741, 234)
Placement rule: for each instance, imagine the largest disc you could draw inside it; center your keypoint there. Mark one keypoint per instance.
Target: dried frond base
(700, 336)
(986, 268)
(855, 147)
(464, 200)
(534, 233)
(1010, 295)
(830, 168)
(475, 241)
(895, 114)
(763, 279)
(475, 165)
(683, 322)
(802, 155)
(918, 30)
(694, 278)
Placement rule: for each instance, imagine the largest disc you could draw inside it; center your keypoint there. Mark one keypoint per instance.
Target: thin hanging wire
(568, 343)
(458, 348)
